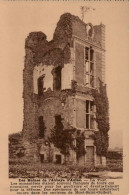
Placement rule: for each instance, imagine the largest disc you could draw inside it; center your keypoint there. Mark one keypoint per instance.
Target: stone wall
(52, 107)
(79, 63)
(42, 58)
(99, 38)
(80, 113)
(98, 60)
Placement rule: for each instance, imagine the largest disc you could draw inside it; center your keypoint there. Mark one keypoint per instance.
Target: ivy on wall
(80, 147)
(63, 139)
(16, 147)
(102, 118)
(56, 51)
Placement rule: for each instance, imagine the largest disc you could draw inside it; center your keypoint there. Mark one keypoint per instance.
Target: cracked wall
(67, 52)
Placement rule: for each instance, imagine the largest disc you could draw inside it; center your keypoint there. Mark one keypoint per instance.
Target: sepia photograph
(66, 64)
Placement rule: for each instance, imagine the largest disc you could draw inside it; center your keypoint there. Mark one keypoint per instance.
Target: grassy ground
(115, 165)
(25, 169)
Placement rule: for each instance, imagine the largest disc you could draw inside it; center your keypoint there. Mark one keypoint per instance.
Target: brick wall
(79, 63)
(99, 35)
(98, 67)
(99, 39)
(79, 28)
(48, 109)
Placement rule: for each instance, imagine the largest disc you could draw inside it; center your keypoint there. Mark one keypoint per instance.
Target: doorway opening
(42, 158)
(58, 158)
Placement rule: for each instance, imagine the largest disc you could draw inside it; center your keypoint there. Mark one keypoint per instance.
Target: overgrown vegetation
(64, 139)
(102, 118)
(56, 51)
(80, 149)
(14, 137)
(29, 169)
(16, 148)
(114, 155)
(23, 168)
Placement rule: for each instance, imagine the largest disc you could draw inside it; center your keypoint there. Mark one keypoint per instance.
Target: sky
(18, 19)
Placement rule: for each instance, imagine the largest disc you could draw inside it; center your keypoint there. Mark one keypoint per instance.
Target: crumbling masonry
(59, 77)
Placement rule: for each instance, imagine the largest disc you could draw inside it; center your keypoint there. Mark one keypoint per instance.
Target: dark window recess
(91, 55)
(42, 158)
(87, 121)
(87, 106)
(40, 85)
(41, 127)
(58, 159)
(91, 68)
(57, 79)
(57, 119)
(90, 32)
(58, 122)
(91, 106)
(86, 54)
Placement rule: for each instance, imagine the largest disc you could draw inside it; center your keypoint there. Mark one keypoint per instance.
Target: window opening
(42, 158)
(58, 158)
(41, 127)
(86, 53)
(58, 119)
(40, 85)
(89, 67)
(91, 55)
(57, 79)
(89, 114)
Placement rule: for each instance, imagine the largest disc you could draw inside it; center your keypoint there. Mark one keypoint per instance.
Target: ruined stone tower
(58, 77)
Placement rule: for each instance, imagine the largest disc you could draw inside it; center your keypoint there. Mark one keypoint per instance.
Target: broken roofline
(66, 29)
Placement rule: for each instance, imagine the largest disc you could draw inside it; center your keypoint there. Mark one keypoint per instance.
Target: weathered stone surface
(79, 63)
(66, 52)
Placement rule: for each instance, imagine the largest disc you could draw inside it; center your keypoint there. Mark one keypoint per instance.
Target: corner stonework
(58, 79)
